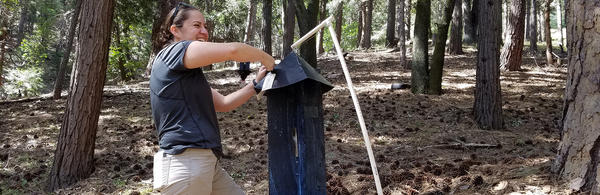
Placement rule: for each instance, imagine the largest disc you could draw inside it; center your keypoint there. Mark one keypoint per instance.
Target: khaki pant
(195, 171)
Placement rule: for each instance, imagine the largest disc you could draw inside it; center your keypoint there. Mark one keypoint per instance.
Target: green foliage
(22, 82)
(348, 38)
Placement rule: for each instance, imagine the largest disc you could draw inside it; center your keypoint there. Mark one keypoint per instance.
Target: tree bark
(339, 19)
(307, 20)
(365, 41)
(579, 149)
(390, 38)
(3, 40)
(74, 156)
(547, 34)
(488, 97)
(289, 24)
(267, 27)
(467, 22)
(60, 75)
(249, 35)
(455, 44)
(437, 60)
(532, 27)
(420, 62)
(322, 16)
(512, 52)
(408, 19)
(401, 33)
(471, 32)
(361, 13)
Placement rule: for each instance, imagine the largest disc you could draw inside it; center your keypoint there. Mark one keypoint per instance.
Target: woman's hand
(262, 71)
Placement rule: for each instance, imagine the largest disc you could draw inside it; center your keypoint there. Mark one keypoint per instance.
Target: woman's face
(194, 28)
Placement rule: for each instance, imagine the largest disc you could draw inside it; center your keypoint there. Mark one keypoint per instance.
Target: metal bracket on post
(327, 22)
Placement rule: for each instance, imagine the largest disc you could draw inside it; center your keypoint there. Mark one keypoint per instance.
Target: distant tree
(367, 22)
(401, 33)
(289, 24)
(58, 84)
(488, 97)
(532, 26)
(470, 21)
(361, 15)
(420, 62)
(547, 34)
(437, 59)
(559, 24)
(322, 16)
(307, 19)
(249, 35)
(577, 158)
(456, 33)
(408, 20)
(74, 156)
(512, 51)
(267, 27)
(339, 19)
(391, 24)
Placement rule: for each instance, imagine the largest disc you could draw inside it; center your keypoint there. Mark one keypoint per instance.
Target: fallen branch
(462, 146)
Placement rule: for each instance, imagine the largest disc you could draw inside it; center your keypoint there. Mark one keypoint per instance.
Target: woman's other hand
(262, 71)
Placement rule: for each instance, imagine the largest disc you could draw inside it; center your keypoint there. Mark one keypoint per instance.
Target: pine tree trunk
(455, 44)
(365, 41)
(289, 24)
(473, 33)
(488, 97)
(390, 38)
(74, 156)
(547, 34)
(322, 16)
(469, 31)
(339, 19)
(249, 35)
(437, 59)
(408, 12)
(3, 40)
(267, 27)
(420, 62)
(512, 52)
(401, 33)
(60, 75)
(579, 149)
(361, 13)
(533, 27)
(307, 20)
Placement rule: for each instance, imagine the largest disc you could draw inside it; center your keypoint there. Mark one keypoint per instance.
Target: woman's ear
(174, 30)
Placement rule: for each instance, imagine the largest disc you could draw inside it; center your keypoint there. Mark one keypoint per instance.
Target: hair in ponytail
(166, 37)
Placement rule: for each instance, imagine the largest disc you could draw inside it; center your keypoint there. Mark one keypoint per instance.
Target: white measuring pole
(327, 22)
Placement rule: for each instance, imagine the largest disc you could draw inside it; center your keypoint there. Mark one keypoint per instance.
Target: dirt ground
(423, 144)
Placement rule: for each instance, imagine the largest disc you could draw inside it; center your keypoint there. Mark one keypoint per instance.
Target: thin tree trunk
(339, 19)
(455, 44)
(289, 24)
(249, 35)
(579, 149)
(401, 33)
(475, 20)
(408, 12)
(361, 13)
(559, 24)
(267, 27)
(322, 16)
(533, 27)
(390, 38)
(488, 97)
(547, 33)
(512, 52)
(365, 42)
(437, 60)
(307, 20)
(3, 40)
(420, 62)
(467, 23)
(60, 75)
(74, 156)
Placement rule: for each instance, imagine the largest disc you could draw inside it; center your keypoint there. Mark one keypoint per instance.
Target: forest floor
(423, 144)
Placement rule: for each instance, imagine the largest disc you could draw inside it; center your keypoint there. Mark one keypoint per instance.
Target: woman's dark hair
(176, 17)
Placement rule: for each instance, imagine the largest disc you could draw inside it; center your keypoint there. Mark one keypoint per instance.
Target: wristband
(256, 88)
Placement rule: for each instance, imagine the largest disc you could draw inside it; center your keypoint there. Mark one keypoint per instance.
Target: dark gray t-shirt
(182, 104)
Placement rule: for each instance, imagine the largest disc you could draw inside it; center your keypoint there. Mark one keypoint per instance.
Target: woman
(184, 105)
